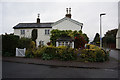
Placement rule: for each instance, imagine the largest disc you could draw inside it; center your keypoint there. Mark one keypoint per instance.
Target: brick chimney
(68, 13)
(38, 19)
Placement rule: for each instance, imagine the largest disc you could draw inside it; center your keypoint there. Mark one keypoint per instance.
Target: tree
(96, 38)
(85, 37)
(79, 41)
(109, 38)
(34, 35)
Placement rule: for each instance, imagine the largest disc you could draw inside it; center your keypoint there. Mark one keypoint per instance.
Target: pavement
(115, 54)
(111, 64)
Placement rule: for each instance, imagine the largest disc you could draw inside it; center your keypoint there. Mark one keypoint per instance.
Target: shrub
(24, 43)
(94, 54)
(9, 44)
(65, 53)
(100, 56)
(48, 53)
(39, 52)
(29, 53)
(34, 35)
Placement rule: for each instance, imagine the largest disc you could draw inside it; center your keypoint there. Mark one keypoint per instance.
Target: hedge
(11, 42)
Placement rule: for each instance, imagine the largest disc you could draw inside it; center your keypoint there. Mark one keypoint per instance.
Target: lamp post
(101, 29)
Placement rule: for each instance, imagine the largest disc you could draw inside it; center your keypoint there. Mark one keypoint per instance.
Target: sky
(86, 12)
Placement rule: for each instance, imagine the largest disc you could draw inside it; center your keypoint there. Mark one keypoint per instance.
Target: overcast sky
(84, 12)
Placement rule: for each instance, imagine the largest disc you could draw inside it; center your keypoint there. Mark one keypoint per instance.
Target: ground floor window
(41, 43)
(65, 43)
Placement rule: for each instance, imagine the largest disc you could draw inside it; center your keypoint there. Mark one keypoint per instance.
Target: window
(41, 43)
(70, 44)
(22, 32)
(58, 43)
(47, 31)
(66, 43)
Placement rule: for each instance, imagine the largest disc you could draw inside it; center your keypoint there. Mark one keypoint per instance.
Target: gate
(20, 52)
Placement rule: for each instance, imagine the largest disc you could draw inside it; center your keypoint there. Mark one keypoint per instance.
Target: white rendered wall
(118, 39)
(27, 32)
(67, 25)
(41, 34)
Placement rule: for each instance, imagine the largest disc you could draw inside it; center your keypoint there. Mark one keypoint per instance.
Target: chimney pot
(38, 19)
(68, 13)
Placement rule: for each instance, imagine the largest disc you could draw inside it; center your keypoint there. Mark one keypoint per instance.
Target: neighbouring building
(118, 39)
(43, 29)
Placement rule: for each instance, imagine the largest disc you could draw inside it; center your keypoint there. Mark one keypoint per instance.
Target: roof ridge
(36, 23)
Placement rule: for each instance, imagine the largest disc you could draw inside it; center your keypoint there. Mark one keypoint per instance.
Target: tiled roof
(33, 25)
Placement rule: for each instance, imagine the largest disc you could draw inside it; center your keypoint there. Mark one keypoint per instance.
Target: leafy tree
(96, 38)
(79, 41)
(110, 37)
(85, 37)
(34, 35)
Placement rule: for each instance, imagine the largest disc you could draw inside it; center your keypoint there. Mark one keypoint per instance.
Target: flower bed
(93, 54)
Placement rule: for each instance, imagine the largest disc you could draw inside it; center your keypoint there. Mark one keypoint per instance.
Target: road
(21, 70)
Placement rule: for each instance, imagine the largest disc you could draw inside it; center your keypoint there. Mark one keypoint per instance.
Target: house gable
(67, 24)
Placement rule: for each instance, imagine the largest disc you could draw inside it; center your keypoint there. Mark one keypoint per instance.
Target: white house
(66, 23)
(118, 39)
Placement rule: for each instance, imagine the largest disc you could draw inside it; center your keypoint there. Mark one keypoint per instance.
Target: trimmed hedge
(10, 42)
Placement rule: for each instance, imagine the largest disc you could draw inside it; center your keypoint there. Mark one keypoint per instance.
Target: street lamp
(101, 30)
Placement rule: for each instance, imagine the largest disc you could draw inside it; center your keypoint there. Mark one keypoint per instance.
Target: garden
(91, 53)
(83, 51)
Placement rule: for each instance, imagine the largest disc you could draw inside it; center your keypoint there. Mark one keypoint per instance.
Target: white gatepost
(73, 44)
(56, 44)
(16, 51)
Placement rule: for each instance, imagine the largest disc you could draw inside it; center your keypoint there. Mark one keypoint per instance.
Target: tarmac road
(21, 70)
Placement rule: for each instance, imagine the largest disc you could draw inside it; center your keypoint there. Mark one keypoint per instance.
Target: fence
(20, 52)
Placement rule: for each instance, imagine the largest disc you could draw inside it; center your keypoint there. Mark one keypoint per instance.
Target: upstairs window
(22, 32)
(47, 31)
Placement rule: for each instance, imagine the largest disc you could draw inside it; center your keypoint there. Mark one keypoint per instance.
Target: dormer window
(47, 31)
(22, 32)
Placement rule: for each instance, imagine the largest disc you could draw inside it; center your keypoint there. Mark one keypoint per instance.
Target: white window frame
(22, 32)
(47, 31)
(41, 43)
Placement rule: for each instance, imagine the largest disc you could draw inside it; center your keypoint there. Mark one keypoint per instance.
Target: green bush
(100, 56)
(48, 53)
(65, 53)
(9, 44)
(29, 53)
(24, 43)
(94, 55)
